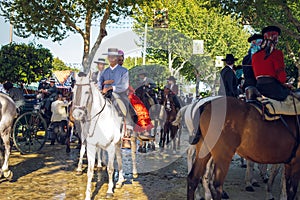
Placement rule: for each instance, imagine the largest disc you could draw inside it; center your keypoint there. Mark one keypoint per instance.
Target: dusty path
(50, 175)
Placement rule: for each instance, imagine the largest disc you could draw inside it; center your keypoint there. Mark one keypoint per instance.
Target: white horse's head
(81, 96)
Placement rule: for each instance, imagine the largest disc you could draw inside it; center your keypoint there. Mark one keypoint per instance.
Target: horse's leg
(91, 151)
(110, 169)
(99, 160)
(121, 178)
(161, 138)
(69, 130)
(174, 131)
(221, 163)
(283, 194)
(190, 157)
(263, 172)
(82, 152)
(5, 137)
(195, 175)
(168, 132)
(208, 179)
(133, 154)
(273, 173)
(179, 136)
(291, 180)
(249, 176)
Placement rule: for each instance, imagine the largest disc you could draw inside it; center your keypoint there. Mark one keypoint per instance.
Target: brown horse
(172, 106)
(228, 125)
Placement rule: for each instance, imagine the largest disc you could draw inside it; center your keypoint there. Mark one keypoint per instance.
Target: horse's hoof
(135, 175)
(255, 184)
(243, 166)
(119, 185)
(225, 195)
(109, 195)
(79, 172)
(8, 175)
(249, 189)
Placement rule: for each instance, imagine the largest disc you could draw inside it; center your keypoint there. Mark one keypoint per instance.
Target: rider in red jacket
(269, 68)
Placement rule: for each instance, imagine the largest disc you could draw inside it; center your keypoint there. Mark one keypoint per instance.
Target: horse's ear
(89, 74)
(76, 76)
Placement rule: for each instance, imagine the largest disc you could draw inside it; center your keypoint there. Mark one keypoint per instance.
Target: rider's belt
(265, 79)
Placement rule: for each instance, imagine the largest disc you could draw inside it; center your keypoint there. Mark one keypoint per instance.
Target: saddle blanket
(191, 116)
(285, 107)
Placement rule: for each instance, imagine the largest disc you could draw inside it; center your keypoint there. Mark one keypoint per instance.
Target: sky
(70, 50)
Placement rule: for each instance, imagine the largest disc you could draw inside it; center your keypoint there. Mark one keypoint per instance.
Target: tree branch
(287, 31)
(179, 68)
(69, 22)
(290, 16)
(101, 35)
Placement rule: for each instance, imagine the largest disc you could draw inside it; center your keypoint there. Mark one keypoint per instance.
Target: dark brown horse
(172, 106)
(228, 125)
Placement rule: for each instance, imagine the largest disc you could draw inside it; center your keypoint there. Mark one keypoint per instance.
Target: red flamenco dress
(144, 121)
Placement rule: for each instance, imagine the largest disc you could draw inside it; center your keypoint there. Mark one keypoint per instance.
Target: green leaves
(191, 20)
(21, 63)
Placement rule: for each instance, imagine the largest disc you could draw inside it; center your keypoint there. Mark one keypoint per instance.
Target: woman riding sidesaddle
(269, 68)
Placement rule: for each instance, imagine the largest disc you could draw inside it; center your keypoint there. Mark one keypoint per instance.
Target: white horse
(101, 127)
(8, 112)
(100, 152)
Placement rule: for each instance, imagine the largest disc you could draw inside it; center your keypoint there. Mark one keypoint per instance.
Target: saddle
(122, 108)
(272, 109)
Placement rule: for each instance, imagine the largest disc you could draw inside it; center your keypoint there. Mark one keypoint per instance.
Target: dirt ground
(162, 175)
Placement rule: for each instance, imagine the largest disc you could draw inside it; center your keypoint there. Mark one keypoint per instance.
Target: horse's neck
(97, 101)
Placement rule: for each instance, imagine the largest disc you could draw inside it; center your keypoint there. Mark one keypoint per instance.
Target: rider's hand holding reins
(105, 90)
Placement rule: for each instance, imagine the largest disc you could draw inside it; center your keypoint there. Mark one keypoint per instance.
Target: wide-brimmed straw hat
(101, 60)
(229, 57)
(112, 52)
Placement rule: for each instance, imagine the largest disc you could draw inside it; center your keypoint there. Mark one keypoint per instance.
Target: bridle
(84, 108)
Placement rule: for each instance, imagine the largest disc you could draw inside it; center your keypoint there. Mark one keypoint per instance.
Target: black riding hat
(229, 57)
(255, 37)
(271, 28)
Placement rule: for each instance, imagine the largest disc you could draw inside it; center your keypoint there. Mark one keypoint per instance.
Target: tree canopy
(60, 65)
(21, 63)
(54, 19)
(191, 20)
(158, 73)
(284, 14)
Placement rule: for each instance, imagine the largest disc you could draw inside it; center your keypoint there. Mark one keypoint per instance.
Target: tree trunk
(197, 83)
(88, 58)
